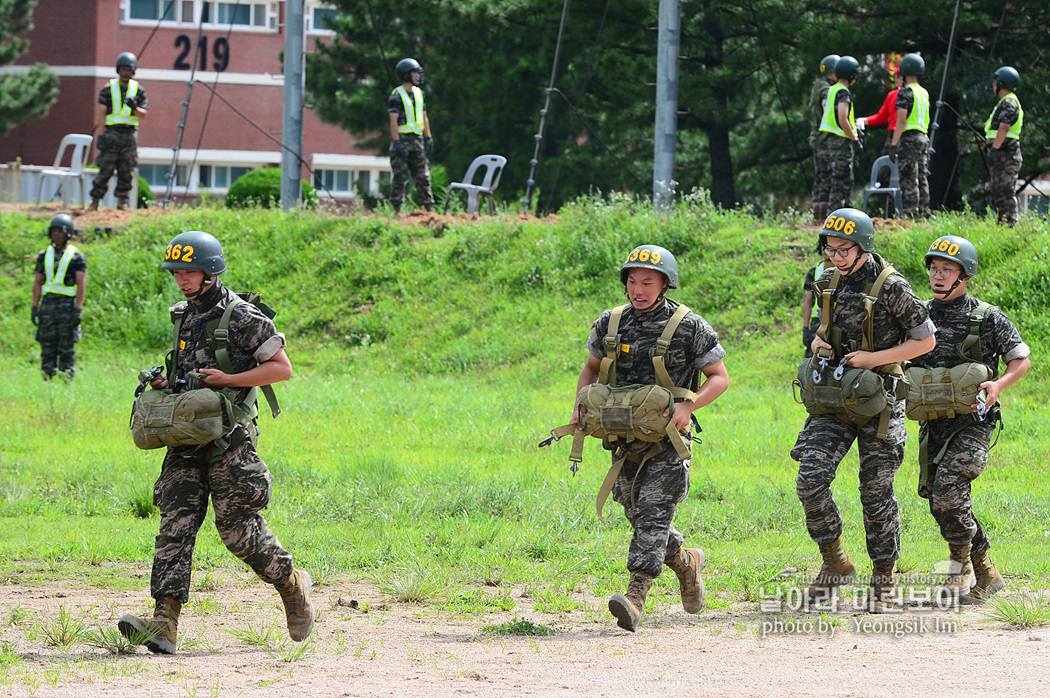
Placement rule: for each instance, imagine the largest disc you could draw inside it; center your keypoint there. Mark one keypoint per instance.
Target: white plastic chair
(893, 190)
(493, 165)
(81, 145)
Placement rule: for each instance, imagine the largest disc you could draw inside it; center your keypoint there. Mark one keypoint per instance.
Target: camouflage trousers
(821, 446)
(821, 175)
(239, 486)
(1003, 167)
(912, 159)
(840, 189)
(116, 149)
(657, 490)
(413, 163)
(950, 500)
(58, 333)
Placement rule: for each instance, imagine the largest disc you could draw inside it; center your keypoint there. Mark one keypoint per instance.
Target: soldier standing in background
(122, 103)
(1003, 134)
(59, 284)
(411, 141)
(956, 448)
(910, 145)
(818, 97)
(838, 128)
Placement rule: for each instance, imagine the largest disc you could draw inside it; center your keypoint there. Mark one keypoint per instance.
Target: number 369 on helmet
(651, 257)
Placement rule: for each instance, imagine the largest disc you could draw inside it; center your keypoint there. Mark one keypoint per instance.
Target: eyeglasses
(942, 273)
(842, 252)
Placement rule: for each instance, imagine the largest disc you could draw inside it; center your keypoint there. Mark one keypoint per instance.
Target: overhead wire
(155, 28)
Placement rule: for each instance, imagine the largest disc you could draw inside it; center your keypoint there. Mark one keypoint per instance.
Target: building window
(246, 15)
(157, 175)
(364, 179)
(321, 18)
(333, 180)
(223, 176)
(152, 9)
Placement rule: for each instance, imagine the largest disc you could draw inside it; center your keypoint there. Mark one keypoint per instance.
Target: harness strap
(177, 314)
(221, 337)
(970, 350)
(825, 305)
(664, 343)
(607, 371)
(614, 472)
(928, 468)
(871, 297)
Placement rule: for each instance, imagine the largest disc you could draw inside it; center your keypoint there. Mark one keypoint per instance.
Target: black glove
(77, 312)
(892, 152)
(36, 316)
(130, 101)
(428, 145)
(398, 148)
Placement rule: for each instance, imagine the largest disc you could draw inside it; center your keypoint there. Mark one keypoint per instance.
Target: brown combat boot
(960, 570)
(628, 607)
(880, 594)
(295, 593)
(688, 563)
(836, 571)
(122, 203)
(989, 581)
(159, 633)
(94, 204)
(429, 207)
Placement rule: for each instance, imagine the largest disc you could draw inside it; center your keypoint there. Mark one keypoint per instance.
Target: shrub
(145, 193)
(263, 188)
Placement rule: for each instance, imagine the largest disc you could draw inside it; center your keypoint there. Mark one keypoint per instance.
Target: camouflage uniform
(237, 479)
(967, 452)
(59, 328)
(825, 439)
(118, 147)
(664, 481)
(412, 164)
(818, 95)
(839, 150)
(912, 162)
(1005, 164)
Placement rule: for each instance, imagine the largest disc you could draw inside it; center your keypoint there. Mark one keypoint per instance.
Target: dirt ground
(364, 645)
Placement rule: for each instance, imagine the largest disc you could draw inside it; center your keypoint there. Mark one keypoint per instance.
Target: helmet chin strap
(855, 263)
(655, 303)
(205, 286)
(951, 290)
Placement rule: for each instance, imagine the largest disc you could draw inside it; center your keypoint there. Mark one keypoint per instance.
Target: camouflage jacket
(999, 337)
(899, 314)
(253, 338)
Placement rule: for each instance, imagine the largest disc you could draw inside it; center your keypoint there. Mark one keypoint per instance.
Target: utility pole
(666, 137)
(292, 116)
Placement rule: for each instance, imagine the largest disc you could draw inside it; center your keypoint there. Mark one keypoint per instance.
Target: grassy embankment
(428, 365)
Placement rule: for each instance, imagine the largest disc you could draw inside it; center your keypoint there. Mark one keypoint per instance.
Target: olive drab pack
(198, 416)
(946, 392)
(630, 412)
(855, 395)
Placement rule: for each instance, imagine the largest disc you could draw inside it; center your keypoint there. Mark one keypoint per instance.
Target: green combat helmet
(64, 223)
(847, 68)
(1007, 77)
(651, 257)
(849, 224)
(197, 250)
(827, 63)
(912, 64)
(129, 59)
(956, 249)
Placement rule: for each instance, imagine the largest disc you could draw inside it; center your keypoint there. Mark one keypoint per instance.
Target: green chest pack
(631, 412)
(948, 391)
(855, 395)
(198, 415)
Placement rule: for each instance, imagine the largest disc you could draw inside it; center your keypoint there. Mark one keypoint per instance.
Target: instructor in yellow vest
(59, 282)
(839, 128)
(1002, 132)
(411, 141)
(911, 144)
(122, 102)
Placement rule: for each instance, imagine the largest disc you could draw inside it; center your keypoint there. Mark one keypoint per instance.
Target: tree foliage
(23, 96)
(745, 71)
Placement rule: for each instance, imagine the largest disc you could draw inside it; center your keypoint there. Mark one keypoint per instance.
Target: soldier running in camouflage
(959, 445)
(227, 470)
(901, 330)
(122, 104)
(59, 286)
(411, 141)
(650, 489)
(1002, 132)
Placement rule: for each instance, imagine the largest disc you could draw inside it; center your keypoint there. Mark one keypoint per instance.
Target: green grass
(519, 626)
(1022, 612)
(430, 362)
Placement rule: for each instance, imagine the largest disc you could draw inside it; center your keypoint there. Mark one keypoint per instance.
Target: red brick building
(238, 55)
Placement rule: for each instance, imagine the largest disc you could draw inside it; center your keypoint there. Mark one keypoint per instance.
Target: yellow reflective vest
(413, 111)
(1015, 128)
(120, 113)
(919, 118)
(54, 279)
(830, 122)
